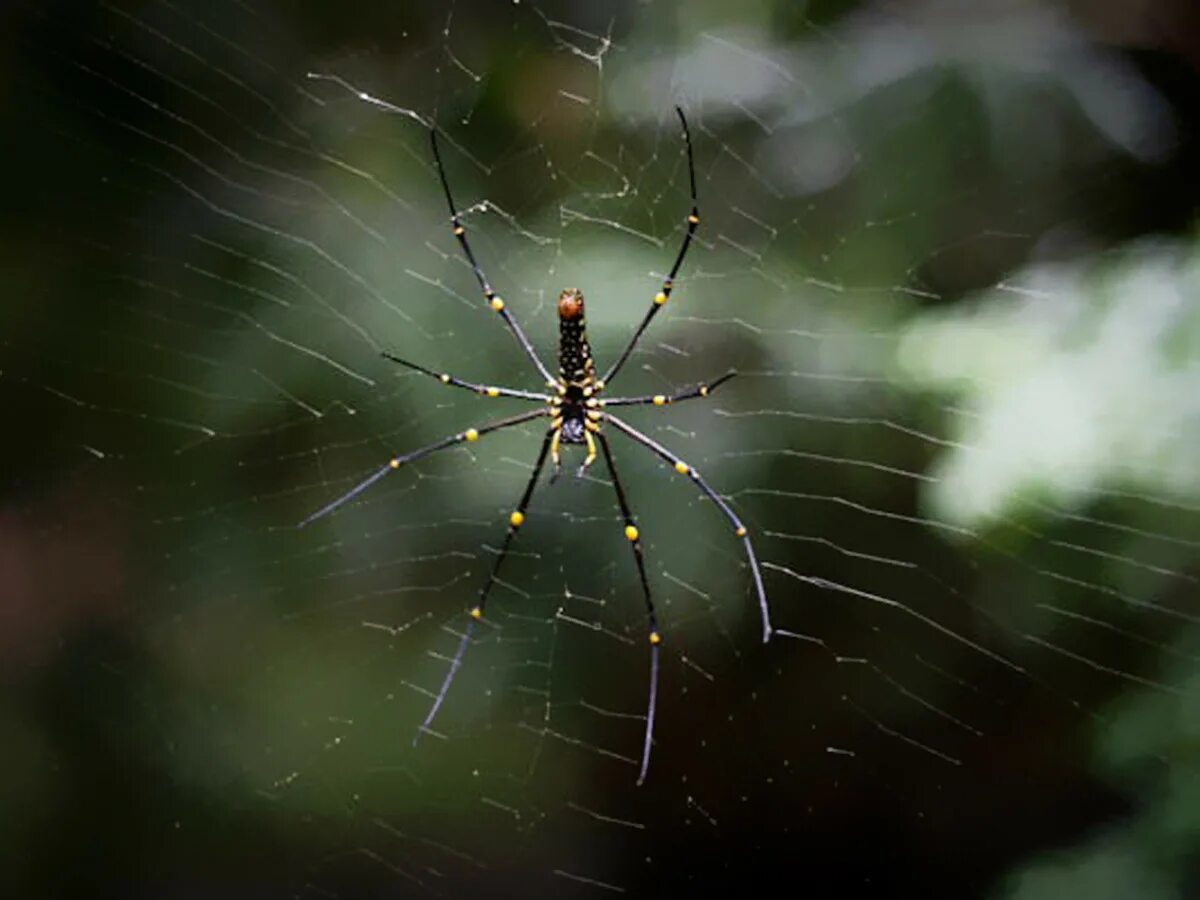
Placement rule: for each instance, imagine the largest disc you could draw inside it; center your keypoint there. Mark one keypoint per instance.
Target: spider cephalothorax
(576, 413)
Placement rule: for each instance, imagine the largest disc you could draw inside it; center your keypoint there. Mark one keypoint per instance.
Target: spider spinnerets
(577, 413)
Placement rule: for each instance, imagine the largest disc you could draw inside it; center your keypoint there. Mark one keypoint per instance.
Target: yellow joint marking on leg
(655, 637)
(476, 612)
(459, 231)
(591, 403)
(444, 378)
(741, 531)
(660, 298)
(554, 441)
(599, 384)
(659, 399)
(694, 219)
(493, 392)
(681, 467)
(591, 454)
(631, 532)
(587, 391)
(704, 390)
(394, 463)
(497, 304)
(471, 434)
(516, 519)
(591, 425)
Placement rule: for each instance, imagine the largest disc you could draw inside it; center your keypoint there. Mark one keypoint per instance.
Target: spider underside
(577, 411)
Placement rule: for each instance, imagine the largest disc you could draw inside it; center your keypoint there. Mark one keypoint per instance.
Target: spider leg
(660, 299)
(738, 528)
(492, 298)
(515, 520)
(555, 449)
(631, 532)
(485, 389)
(455, 663)
(591, 454)
(471, 434)
(700, 390)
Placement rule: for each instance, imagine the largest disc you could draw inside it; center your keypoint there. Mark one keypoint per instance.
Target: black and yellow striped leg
(739, 529)
(556, 449)
(486, 390)
(635, 541)
(660, 299)
(470, 435)
(700, 390)
(515, 520)
(494, 301)
(589, 436)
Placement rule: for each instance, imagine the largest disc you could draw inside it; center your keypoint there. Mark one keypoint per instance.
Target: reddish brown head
(570, 305)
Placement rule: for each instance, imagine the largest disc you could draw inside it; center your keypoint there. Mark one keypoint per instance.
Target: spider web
(959, 434)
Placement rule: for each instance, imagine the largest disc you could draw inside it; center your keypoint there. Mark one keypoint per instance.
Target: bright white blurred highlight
(1074, 380)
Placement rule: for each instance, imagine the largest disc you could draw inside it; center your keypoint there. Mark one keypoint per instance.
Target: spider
(578, 412)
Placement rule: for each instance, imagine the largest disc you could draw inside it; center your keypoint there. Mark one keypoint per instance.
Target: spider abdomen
(575, 363)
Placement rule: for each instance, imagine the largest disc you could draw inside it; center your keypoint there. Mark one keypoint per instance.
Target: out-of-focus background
(949, 248)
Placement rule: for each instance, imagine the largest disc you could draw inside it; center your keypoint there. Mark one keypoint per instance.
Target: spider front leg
(515, 520)
(591, 451)
(655, 638)
(556, 454)
(739, 529)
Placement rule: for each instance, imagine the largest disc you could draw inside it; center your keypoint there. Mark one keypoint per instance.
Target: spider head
(573, 431)
(570, 305)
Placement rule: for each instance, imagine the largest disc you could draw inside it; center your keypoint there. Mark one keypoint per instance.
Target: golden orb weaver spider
(577, 413)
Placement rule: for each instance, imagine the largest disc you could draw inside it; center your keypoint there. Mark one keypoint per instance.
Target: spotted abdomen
(575, 363)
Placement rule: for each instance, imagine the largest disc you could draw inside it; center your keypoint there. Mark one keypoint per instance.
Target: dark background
(949, 249)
